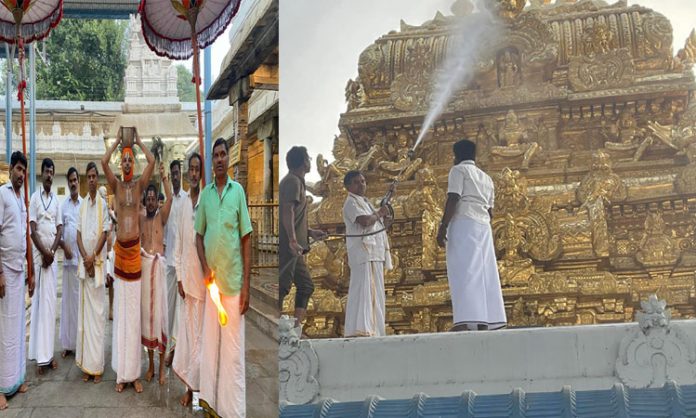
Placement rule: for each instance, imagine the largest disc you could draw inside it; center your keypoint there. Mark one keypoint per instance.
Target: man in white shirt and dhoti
(170, 236)
(46, 224)
(191, 287)
(13, 251)
(368, 257)
(70, 300)
(465, 232)
(93, 224)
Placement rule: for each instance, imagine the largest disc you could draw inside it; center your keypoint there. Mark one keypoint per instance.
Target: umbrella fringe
(33, 31)
(180, 49)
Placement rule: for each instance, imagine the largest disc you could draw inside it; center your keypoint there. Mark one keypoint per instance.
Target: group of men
(465, 232)
(164, 258)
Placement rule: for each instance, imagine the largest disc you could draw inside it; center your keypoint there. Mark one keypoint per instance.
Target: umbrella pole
(21, 86)
(197, 80)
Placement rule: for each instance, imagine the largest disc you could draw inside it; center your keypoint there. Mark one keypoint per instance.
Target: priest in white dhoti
(46, 222)
(223, 243)
(191, 288)
(70, 300)
(465, 232)
(13, 248)
(93, 225)
(368, 257)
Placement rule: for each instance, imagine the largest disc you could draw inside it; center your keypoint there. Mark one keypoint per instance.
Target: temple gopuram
(585, 118)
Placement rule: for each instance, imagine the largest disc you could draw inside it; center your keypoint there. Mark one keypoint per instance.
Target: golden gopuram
(586, 120)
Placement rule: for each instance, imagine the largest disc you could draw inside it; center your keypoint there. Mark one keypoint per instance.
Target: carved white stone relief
(656, 351)
(298, 365)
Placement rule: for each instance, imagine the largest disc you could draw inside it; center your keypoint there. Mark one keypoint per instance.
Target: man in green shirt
(223, 232)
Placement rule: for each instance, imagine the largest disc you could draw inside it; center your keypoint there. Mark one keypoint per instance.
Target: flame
(215, 296)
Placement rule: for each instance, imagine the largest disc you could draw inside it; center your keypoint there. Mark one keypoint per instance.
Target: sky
(320, 42)
(219, 49)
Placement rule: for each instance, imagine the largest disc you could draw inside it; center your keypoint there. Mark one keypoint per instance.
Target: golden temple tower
(586, 119)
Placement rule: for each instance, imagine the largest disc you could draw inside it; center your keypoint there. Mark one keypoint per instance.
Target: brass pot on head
(127, 136)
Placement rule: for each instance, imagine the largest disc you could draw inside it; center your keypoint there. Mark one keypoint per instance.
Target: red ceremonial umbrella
(23, 22)
(178, 29)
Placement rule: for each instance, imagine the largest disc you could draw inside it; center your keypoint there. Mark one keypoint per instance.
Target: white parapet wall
(491, 362)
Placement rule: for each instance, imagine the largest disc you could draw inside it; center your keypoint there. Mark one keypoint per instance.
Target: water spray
(466, 41)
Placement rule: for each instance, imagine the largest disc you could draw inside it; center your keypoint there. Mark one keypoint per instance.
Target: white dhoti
(223, 386)
(13, 361)
(187, 357)
(126, 339)
(366, 301)
(173, 307)
(153, 314)
(69, 306)
(42, 330)
(91, 324)
(472, 273)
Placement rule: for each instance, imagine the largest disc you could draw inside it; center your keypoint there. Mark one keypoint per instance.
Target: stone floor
(61, 393)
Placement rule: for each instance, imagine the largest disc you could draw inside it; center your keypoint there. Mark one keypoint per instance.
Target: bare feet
(97, 379)
(23, 388)
(39, 370)
(186, 399)
(85, 377)
(170, 358)
(3, 402)
(138, 386)
(150, 373)
(162, 377)
(66, 353)
(54, 364)
(119, 387)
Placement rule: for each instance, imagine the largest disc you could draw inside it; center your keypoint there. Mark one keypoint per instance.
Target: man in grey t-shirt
(295, 233)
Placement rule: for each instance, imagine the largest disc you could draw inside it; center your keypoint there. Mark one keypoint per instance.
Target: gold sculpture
(585, 120)
(514, 138)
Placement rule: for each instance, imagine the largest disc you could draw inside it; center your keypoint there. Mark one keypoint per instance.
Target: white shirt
(45, 211)
(172, 228)
(71, 212)
(188, 266)
(88, 225)
(476, 191)
(369, 248)
(13, 228)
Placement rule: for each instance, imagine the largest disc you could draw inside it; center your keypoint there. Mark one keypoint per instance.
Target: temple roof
(672, 400)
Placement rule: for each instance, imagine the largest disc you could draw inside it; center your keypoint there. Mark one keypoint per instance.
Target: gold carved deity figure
(345, 159)
(514, 137)
(511, 192)
(355, 95)
(628, 137)
(425, 201)
(400, 167)
(656, 247)
(510, 239)
(599, 187)
(509, 70)
(679, 137)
